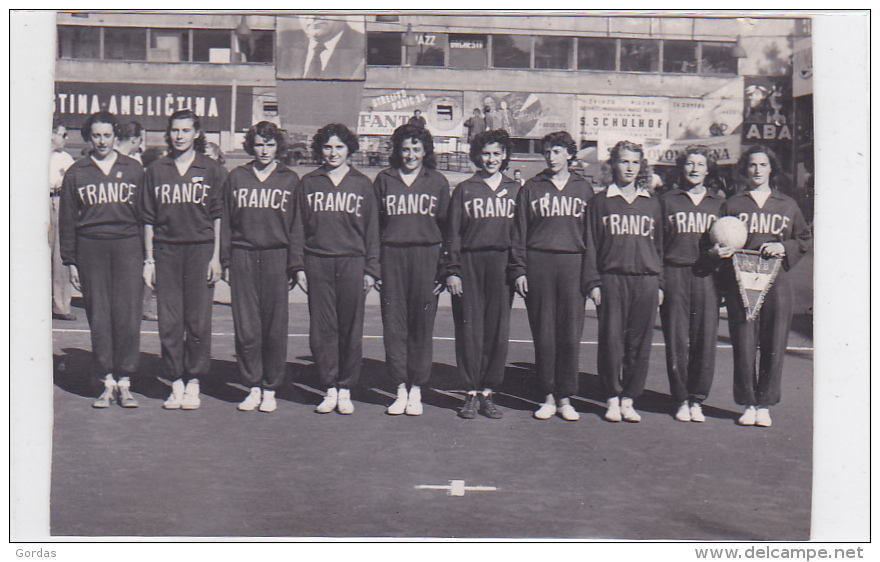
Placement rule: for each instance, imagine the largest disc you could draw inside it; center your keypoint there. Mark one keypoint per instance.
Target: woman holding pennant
(777, 229)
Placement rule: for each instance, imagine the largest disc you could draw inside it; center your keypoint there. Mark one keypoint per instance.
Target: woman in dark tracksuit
(414, 199)
(625, 277)
(255, 254)
(776, 228)
(336, 261)
(546, 265)
(477, 247)
(182, 208)
(690, 300)
(100, 239)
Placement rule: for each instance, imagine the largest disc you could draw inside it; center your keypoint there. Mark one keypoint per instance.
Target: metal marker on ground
(457, 488)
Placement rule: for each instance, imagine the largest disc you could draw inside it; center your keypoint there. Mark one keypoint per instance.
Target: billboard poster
(152, 104)
(624, 117)
(767, 111)
(717, 114)
(383, 110)
(321, 47)
(523, 114)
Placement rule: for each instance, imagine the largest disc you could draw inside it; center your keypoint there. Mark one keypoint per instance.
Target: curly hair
(268, 131)
(333, 130)
(420, 134)
(643, 179)
(99, 117)
(742, 165)
(485, 138)
(563, 139)
(703, 151)
(200, 141)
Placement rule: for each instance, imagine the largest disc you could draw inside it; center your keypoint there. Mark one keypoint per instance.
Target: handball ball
(730, 232)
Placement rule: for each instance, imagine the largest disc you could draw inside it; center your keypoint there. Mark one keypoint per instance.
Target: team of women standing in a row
(338, 235)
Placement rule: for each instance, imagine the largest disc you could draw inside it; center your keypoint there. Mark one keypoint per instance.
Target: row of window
(163, 45)
(451, 50)
(478, 51)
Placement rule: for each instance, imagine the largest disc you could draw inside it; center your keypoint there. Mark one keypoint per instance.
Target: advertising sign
(768, 117)
(626, 117)
(321, 47)
(714, 115)
(152, 104)
(523, 114)
(382, 111)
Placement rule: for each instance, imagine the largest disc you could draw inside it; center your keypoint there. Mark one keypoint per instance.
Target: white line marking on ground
(457, 488)
(438, 338)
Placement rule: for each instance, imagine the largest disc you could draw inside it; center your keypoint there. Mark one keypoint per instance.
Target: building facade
(665, 81)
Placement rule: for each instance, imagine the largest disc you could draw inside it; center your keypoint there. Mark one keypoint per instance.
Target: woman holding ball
(777, 229)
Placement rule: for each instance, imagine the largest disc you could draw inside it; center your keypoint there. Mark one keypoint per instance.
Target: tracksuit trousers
(769, 332)
(259, 288)
(110, 273)
(61, 287)
(626, 327)
(555, 306)
(336, 310)
(409, 306)
(689, 314)
(482, 319)
(185, 306)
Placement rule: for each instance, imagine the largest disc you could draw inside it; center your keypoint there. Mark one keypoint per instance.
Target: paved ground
(219, 472)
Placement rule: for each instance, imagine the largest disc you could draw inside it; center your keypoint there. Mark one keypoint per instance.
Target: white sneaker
(546, 411)
(398, 406)
(568, 412)
(344, 405)
(684, 412)
(126, 400)
(697, 413)
(762, 417)
(613, 412)
(252, 400)
(177, 390)
(191, 400)
(748, 417)
(329, 403)
(268, 404)
(414, 402)
(108, 396)
(627, 412)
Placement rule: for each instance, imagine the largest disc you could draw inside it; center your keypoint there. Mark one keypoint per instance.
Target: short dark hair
(742, 166)
(643, 179)
(57, 122)
(488, 137)
(268, 131)
(99, 117)
(563, 139)
(333, 130)
(130, 130)
(200, 142)
(416, 133)
(700, 149)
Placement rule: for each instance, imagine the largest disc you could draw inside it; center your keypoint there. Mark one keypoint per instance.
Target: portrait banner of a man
(321, 47)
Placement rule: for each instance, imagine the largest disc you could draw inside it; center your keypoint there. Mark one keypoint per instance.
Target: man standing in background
(59, 162)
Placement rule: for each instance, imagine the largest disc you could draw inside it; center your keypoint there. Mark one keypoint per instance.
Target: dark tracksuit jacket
(99, 230)
(182, 210)
(411, 222)
(336, 243)
(625, 259)
(548, 246)
(477, 249)
(779, 220)
(255, 245)
(690, 298)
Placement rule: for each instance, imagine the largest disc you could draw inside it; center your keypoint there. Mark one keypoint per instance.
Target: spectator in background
(130, 140)
(213, 152)
(59, 162)
(129, 143)
(475, 124)
(517, 177)
(417, 119)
